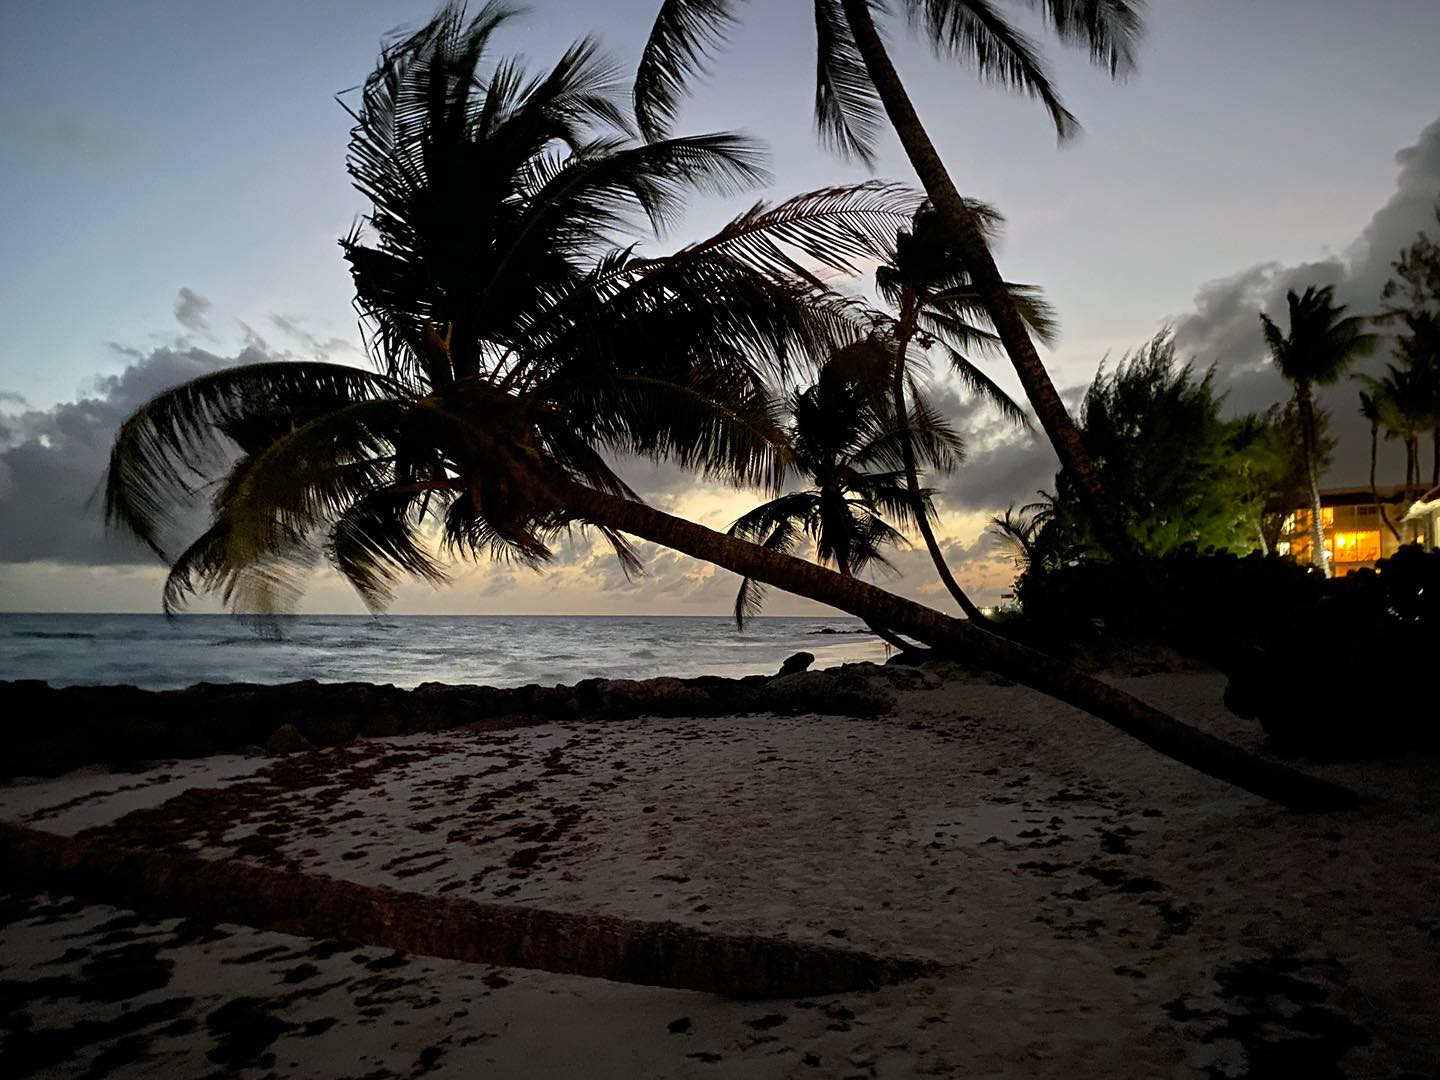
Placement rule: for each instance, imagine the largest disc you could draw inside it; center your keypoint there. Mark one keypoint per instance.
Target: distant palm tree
(936, 304)
(846, 442)
(1419, 351)
(857, 83)
(1402, 399)
(517, 343)
(1320, 347)
(1022, 532)
(1371, 410)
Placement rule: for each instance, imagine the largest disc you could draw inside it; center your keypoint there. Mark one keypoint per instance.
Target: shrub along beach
(1170, 811)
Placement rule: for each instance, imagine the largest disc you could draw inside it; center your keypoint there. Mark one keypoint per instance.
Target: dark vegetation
(1368, 690)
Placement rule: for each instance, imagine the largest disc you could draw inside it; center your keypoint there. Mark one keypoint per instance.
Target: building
(1424, 518)
(1356, 535)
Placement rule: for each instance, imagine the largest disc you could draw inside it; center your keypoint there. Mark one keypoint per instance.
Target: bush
(1335, 668)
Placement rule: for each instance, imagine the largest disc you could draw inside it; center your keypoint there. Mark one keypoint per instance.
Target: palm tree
(1322, 344)
(1419, 351)
(1402, 399)
(1024, 533)
(936, 304)
(516, 344)
(845, 441)
(856, 82)
(1371, 410)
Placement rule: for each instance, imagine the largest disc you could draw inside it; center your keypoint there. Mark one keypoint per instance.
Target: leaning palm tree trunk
(969, 241)
(1169, 736)
(1306, 409)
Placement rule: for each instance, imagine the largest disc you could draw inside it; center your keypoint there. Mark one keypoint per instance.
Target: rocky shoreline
(52, 730)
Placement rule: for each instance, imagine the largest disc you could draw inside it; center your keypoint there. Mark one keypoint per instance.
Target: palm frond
(1109, 30)
(848, 113)
(975, 32)
(750, 597)
(684, 36)
(987, 389)
(181, 439)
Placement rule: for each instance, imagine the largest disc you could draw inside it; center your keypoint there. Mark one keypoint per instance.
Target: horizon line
(434, 615)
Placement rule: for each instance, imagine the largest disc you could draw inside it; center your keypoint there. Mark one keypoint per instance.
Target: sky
(174, 188)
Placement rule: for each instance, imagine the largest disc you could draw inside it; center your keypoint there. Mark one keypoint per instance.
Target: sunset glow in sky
(174, 188)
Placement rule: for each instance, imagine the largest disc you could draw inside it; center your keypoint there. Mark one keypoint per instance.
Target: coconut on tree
(520, 341)
(858, 86)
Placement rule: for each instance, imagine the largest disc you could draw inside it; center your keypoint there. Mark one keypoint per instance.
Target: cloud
(1224, 327)
(294, 328)
(190, 308)
(52, 461)
(52, 137)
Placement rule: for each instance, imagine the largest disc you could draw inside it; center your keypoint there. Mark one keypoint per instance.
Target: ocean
(157, 653)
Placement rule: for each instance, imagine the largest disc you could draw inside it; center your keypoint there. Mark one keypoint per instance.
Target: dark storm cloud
(190, 308)
(1003, 463)
(52, 461)
(1224, 328)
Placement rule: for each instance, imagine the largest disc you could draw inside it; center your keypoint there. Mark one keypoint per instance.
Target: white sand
(1094, 905)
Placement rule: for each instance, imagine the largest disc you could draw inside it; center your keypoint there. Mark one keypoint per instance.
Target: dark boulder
(799, 662)
(288, 740)
(827, 693)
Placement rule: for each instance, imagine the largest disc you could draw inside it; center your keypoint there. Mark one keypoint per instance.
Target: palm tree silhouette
(1321, 345)
(1373, 408)
(1419, 352)
(857, 83)
(936, 305)
(845, 441)
(517, 344)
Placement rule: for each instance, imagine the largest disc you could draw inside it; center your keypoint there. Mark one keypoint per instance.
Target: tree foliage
(520, 340)
(981, 34)
(845, 440)
(1181, 475)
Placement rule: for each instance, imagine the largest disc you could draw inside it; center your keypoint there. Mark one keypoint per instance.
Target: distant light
(987, 611)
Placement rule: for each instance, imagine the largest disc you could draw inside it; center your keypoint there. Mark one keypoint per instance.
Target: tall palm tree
(935, 303)
(857, 83)
(846, 443)
(1371, 409)
(1321, 345)
(1419, 351)
(1402, 400)
(516, 343)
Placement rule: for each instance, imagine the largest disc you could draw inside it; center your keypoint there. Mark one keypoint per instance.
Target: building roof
(1362, 496)
(1425, 505)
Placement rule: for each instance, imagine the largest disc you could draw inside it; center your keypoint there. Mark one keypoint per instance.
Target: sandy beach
(1091, 908)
